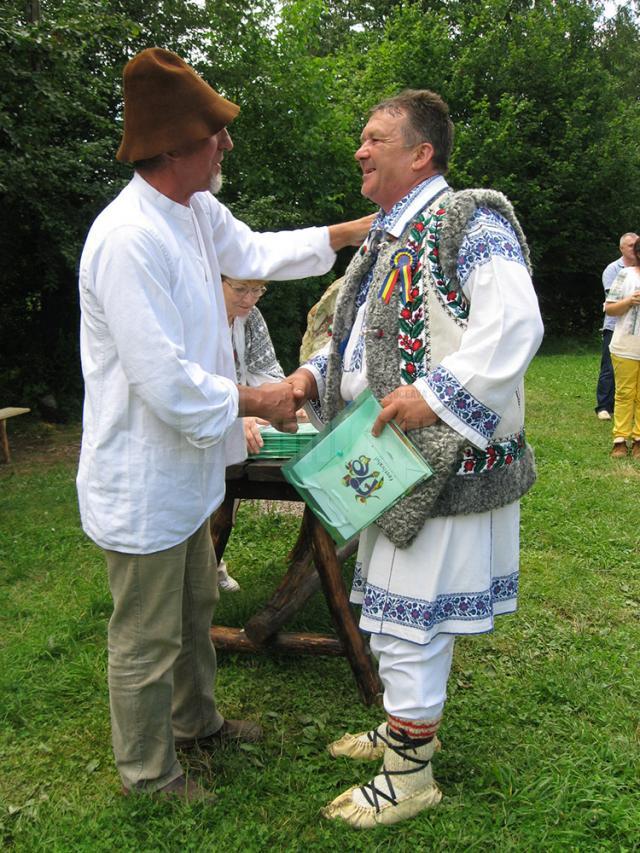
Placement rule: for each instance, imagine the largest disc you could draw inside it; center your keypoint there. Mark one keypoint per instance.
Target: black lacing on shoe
(370, 792)
(374, 736)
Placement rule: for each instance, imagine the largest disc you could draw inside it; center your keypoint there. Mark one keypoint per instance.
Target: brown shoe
(635, 449)
(619, 450)
(239, 731)
(181, 788)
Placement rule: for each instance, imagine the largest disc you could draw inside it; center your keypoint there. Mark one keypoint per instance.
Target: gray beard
(215, 184)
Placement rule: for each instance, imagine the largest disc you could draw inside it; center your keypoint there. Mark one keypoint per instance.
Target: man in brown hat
(161, 403)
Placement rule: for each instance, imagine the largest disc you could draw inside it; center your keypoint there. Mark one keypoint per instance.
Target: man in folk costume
(438, 316)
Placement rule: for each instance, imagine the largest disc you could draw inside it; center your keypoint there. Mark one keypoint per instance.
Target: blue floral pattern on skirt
(380, 604)
(358, 582)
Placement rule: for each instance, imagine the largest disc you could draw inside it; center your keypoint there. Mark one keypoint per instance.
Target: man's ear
(423, 158)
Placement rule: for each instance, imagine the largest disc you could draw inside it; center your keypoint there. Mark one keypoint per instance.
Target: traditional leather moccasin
(403, 787)
(365, 746)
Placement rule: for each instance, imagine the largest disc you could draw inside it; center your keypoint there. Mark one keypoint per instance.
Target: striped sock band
(414, 729)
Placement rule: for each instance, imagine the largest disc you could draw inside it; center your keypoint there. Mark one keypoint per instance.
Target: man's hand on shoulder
(350, 233)
(407, 407)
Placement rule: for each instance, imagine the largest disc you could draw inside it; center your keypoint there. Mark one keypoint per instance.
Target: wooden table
(8, 412)
(313, 560)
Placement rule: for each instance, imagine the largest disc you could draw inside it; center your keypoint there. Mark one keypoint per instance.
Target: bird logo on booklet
(361, 479)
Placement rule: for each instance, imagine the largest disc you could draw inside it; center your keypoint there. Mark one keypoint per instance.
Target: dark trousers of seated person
(605, 392)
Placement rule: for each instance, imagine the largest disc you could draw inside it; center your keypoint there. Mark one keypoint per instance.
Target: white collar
(406, 209)
(180, 211)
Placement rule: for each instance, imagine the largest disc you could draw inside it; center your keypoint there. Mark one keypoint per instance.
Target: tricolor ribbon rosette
(403, 262)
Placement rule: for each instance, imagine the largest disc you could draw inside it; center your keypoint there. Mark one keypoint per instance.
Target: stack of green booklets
(284, 445)
(349, 478)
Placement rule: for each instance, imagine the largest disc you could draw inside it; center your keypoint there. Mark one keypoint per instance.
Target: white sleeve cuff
(447, 417)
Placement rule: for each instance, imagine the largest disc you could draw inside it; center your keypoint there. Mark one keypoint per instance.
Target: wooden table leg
(221, 524)
(296, 588)
(355, 648)
(4, 442)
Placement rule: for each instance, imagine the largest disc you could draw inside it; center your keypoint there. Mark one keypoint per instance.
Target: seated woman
(253, 351)
(256, 363)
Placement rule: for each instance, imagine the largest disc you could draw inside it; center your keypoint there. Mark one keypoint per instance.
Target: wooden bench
(8, 412)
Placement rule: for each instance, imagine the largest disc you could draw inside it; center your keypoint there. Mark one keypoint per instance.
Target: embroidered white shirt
(160, 392)
(477, 388)
(391, 225)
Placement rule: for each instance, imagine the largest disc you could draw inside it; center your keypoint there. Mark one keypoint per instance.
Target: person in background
(161, 404)
(622, 303)
(253, 351)
(437, 315)
(605, 391)
(319, 320)
(255, 361)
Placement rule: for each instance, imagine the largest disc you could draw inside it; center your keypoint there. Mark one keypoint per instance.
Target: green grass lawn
(541, 735)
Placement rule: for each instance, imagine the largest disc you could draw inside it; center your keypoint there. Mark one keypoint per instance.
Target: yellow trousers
(626, 413)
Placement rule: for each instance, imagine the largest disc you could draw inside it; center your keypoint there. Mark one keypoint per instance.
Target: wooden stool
(312, 562)
(8, 412)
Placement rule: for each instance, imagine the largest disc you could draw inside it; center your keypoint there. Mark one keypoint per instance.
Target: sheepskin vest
(465, 480)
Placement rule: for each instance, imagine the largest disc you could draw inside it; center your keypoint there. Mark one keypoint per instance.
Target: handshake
(277, 402)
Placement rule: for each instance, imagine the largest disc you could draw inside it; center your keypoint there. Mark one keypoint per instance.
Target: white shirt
(160, 392)
(625, 341)
(608, 277)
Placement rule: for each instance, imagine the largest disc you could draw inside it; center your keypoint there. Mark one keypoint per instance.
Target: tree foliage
(59, 127)
(543, 94)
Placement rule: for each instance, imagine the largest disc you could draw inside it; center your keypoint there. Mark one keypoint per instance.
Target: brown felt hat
(167, 105)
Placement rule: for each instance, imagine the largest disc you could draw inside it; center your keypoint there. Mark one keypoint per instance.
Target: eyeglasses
(242, 290)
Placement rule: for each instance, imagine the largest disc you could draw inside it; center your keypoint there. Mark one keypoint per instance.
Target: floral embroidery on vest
(450, 292)
(497, 455)
(411, 326)
(413, 341)
(415, 354)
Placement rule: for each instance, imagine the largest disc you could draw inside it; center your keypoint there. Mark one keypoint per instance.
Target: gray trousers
(162, 664)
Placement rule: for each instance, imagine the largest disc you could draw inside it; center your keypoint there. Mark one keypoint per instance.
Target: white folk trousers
(414, 676)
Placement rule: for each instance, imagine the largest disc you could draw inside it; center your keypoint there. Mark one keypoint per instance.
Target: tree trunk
(32, 11)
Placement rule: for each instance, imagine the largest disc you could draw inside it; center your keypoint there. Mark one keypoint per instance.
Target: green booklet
(347, 477)
(284, 445)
